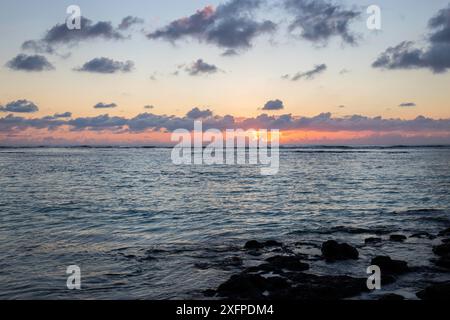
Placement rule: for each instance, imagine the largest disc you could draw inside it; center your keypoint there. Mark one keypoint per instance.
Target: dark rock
(397, 237)
(313, 287)
(389, 266)
(443, 262)
(253, 244)
(440, 291)
(445, 232)
(391, 297)
(372, 240)
(332, 250)
(254, 253)
(288, 262)
(442, 249)
(250, 286)
(445, 240)
(423, 235)
(209, 293)
(272, 243)
(232, 261)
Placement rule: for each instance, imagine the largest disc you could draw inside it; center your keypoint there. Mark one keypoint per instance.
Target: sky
(137, 71)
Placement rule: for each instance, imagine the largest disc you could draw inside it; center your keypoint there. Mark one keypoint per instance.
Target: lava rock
(440, 291)
(442, 249)
(372, 240)
(288, 262)
(423, 235)
(253, 244)
(445, 232)
(391, 297)
(389, 266)
(397, 237)
(250, 286)
(332, 250)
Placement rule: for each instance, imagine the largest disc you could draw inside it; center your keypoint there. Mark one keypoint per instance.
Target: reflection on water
(140, 227)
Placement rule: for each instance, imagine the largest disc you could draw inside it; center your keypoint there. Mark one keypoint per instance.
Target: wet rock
(293, 286)
(272, 243)
(442, 249)
(423, 235)
(254, 253)
(251, 286)
(233, 261)
(440, 291)
(391, 297)
(390, 266)
(209, 293)
(288, 262)
(397, 237)
(372, 240)
(443, 262)
(445, 240)
(313, 287)
(332, 250)
(445, 232)
(253, 245)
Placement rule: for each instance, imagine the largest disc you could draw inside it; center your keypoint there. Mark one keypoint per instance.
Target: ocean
(140, 227)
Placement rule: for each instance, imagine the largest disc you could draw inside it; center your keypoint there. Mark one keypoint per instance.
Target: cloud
(407, 104)
(319, 20)
(146, 121)
(63, 115)
(201, 67)
(106, 65)
(196, 113)
(307, 75)
(232, 25)
(102, 105)
(149, 107)
(33, 63)
(20, 106)
(61, 35)
(435, 56)
(129, 21)
(274, 105)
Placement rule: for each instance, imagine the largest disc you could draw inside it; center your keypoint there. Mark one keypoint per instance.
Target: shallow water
(141, 227)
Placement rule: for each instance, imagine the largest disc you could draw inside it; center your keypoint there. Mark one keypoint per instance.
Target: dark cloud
(106, 65)
(436, 56)
(34, 63)
(274, 105)
(308, 75)
(319, 20)
(129, 21)
(61, 35)
(63, 115)
(149, 107)
(196, 113)
(323, 123)
(232, 25)
(201, 67)
(20, 106)
(407, 104)
(102, 105)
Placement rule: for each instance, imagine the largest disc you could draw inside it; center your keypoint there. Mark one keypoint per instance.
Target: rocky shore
(283, 274)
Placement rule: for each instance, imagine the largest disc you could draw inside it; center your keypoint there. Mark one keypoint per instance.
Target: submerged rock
(372, 240)
(288, 262)
(389, 266)
(445, 232)
(397, 237)
(440, 291)
(422, 235)
(251, 286)
(332, 250)
(255, 245)
(295, 285)
(442, 249)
